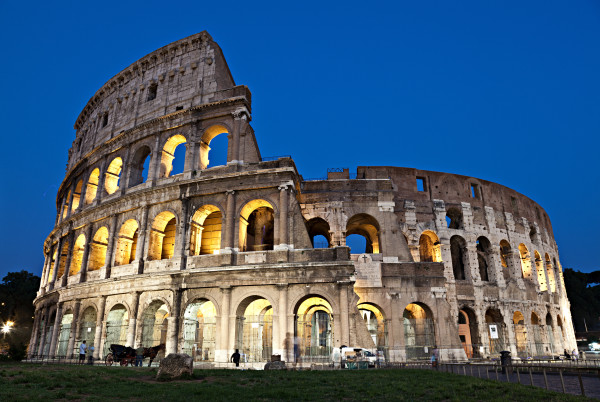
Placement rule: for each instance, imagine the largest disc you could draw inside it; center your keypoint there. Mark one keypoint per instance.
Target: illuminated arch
(505, 258)
(254, 328)
(168, 154)
(318, 228)
(313, 328)
(200, 329)
(76, 196)
(205, 230)
(541, 272)
(520, 333)
(374, 319)
(113, 175)
(419, 331)
(257, 224)
(429, 247)
(136, 172)
(162, 236)
(98, 246)
(92, 186)
(77, 255)
(525, 262)
(209, 134)
(127, 242)
(366, 226)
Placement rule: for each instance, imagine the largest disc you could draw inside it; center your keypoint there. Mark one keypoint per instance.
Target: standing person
(91, 355)
(82, 349)
(575, 354)
(139, 356)
(567, 355)
(235, 357)
(434, 357)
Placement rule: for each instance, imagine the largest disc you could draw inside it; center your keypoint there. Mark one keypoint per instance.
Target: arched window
(454, 218)
(140, 164)
(467, 331)
(162, 236)
(496, 331)
(419, 335)
(66, 205)
(505, 258)
(64, 253)
(318, 231)
(205, 230)
(214, 144)
(127, 243)
(117, 324)
(76, 196)
(168, 156)
(520, 333)
(541, 272)
(154, 324)
(98, 246)
(375, 321)
(429, 247)
(113, 175)
(367, 227)
(484, 260)
(459, 256)
(199, 330)
(525, 262)
(254, 329)
(314, 328)
(92, 186)
(77, 256)
(257, 226)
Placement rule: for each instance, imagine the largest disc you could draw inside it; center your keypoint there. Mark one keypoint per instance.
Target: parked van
(356, 354)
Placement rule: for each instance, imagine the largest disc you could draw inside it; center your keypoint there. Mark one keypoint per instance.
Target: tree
(17, 292)
(583, 292)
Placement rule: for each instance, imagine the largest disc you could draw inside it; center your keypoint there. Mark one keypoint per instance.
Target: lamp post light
(7, 327)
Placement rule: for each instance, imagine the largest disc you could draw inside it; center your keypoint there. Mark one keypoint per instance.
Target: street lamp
(7, 327)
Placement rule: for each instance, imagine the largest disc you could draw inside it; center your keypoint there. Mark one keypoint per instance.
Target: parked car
(352, 354)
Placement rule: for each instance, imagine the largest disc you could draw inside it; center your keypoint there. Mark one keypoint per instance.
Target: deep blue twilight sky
(507, 91)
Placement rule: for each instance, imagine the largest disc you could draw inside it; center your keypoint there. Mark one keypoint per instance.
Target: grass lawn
(55, 382)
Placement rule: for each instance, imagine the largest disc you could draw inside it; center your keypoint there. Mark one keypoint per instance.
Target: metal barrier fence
(46, 359)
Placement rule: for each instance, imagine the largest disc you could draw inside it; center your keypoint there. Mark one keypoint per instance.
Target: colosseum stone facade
(214, 258)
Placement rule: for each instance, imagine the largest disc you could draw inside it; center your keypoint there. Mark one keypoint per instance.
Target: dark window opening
(178, 108)
(105, 120)
(475, 191)
(420, 184)
(454, 218)
(513, 202)
(152, 89)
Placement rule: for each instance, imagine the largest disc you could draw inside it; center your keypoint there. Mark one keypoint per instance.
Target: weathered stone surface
(175, 365)
(277, 365)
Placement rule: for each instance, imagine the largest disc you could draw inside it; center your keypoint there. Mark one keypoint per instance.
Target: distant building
(215, 258)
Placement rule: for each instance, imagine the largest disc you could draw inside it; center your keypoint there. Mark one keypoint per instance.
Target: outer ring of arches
(322, 293)
(201, 296)
(240, 298)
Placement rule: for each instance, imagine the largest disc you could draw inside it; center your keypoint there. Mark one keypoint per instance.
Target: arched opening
(467, 331)
(173, 156)
(200, 329)
(113, 175)
(551, 348)
(127, 243)
(550, 273)
(454, 218)
(538, 343)
(87, 326)
(76, 196)
(154, 324)
(64, 254)
(214, 147)
(520, 334)
(77, 257)
(561, 331)
(367, 227)
(205, 230)
(117, 324)
(162, 236)
(505, 258)
(376, 325)
(257, 226)
(98, 248)
(254, 329)
(484, 260)
(458, 252)
(318, 231)
(92, 186)
(54, 254)
(419, 335)
(64, 334)
(496, 331)
(429, 247)
(66, 205)
(357, 244)
(314, 329)
(140, 164)
(525, 262)
(541, 272)
(48, 338)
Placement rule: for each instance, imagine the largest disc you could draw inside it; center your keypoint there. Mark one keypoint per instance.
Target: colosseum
(250, 255)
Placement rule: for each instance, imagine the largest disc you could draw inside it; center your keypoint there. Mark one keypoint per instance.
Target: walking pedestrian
(139, 356)
(82, 349)
(235, 357)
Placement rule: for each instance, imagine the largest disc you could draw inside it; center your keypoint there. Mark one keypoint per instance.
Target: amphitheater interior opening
(318, 231)
(541, 271)
(64, 253)
(454, 218)
(525, 262)
(140, 164)
(127, 243)
(64, 334)
(154, 324)
(117, 324)
(376, 325)
(550, 334)
(314, 329)
(205, 231)
(113, 176)
(92, 186)
(484, 260)
(162, 236)
(430, 247)
(214, 147)
(505, 258)
(77, 255)
(87, 326)
(419, 335)
(99, 244)
(66, 205)
(76, 196)
(49, 327)
(254, 329)
(459, 255)
(199, 330)
(496, 331)
(366, 226)
(467, 332)
(520, 334)
(257, 224)
(172, 159)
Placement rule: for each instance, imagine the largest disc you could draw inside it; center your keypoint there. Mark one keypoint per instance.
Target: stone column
(173, 324)
(70, 201)
(45, 319)
(125, 172)
(86, 253)
(228, 235)
(110, 247)
(65, 277)
(180, 243)
(472, 266)
(56, 262)
(240, 120)
(283, 217)
(396, 330)
(34, 334)
(280, 329)
(55, 330)
(100, 328)
(101, 182)
(73, 334)
(142, 240)
(344, 319)
(132, 321)
(46, 270)
(153, 169)
(222, 352)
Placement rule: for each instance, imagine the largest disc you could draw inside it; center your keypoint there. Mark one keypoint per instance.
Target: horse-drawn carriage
(124, 355)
